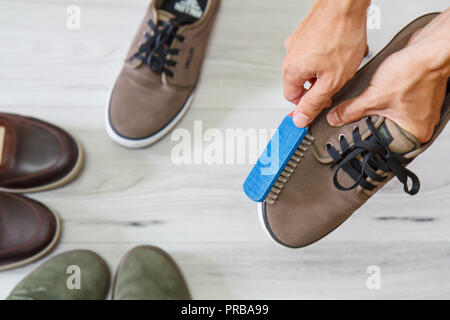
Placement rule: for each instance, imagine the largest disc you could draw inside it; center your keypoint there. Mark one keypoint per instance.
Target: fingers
(355, 109)
(296, 101)
(312, 102)
(294, 77)
(293, 91)
(366, 53)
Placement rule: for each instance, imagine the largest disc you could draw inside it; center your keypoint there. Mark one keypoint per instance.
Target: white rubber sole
(143, 143)
(57, 184)
(42, 253)
(264, 227)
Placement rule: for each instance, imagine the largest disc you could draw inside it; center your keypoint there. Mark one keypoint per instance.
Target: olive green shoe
(73, 275)
(149, 273)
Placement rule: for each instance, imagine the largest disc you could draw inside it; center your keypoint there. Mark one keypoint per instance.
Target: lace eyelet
(342, 136)
(328, 145)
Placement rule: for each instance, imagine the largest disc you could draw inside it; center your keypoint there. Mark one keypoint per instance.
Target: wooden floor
(198, 213)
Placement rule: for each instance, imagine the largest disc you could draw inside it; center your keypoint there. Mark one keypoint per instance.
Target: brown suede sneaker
(35, 155)
(155, 87)
(28, 230)
(344, 166)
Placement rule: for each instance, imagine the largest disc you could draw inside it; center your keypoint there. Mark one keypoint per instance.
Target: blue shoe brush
(278, 161)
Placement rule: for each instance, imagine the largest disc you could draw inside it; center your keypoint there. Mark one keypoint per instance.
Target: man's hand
(409, 86)
(326, 50)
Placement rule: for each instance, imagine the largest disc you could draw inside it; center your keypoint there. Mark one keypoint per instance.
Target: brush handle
(273, 160)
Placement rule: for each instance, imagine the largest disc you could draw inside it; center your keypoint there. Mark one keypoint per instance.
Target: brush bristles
(289, 169)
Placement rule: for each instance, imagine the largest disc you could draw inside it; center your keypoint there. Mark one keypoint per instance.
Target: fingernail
(333, 118)
(301, 120)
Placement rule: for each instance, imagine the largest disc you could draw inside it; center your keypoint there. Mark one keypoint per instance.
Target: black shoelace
(362, 160)
(154, 51)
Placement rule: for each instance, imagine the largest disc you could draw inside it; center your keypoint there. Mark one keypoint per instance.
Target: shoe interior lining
(185, 11)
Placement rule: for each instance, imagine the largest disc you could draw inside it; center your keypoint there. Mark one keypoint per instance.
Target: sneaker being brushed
(344, 166)
(156, 84)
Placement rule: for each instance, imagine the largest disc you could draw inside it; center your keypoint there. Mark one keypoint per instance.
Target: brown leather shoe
(35, 155)
(28, 230)
(156, 84)
(344, 166)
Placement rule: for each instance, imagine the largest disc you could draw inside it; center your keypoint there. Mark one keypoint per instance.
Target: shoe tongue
(181, 11)
(165, 16)
(399, 140)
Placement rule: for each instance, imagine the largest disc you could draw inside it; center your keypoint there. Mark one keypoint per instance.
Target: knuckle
(312, 103)
(286, 67)
(371, 98)
(290, 71)
(327, 84)
(333, 84)
(288, 42)
(290, 95)
(351, 114)
(348, 114)
(287, 92)
(287, 95)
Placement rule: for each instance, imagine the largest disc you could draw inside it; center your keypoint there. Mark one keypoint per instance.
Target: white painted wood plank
(409, 270)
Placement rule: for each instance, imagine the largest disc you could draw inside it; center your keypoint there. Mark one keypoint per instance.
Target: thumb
(312, 102)
(354, 109)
